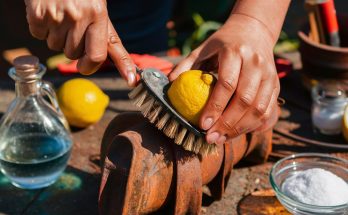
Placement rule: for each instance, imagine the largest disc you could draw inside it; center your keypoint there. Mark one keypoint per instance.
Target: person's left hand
(244, 98)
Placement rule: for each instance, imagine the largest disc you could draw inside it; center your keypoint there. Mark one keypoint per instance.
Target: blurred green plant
(203, 29)
(286, 44)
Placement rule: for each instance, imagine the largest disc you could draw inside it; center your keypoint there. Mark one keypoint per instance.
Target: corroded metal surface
(145, 172)
(266, 201)
(77, 191)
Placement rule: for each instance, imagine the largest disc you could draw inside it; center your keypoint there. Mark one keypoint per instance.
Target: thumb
(183, 66)
(120, 56)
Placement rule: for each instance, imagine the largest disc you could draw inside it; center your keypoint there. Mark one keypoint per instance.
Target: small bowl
(290, 165)
(321, 61)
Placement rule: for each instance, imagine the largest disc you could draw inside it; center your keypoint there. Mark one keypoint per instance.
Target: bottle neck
(24, 89)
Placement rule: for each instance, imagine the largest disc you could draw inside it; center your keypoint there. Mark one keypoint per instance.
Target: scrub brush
(151, 97)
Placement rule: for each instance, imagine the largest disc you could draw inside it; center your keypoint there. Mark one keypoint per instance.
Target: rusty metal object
(262, 202)
(324, 61)
(144, 172)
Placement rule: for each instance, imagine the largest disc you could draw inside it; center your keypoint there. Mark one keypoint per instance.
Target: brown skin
(83, 30)
(241, 51)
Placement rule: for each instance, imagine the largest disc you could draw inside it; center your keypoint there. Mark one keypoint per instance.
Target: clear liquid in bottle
(35, 143)
(31, 172)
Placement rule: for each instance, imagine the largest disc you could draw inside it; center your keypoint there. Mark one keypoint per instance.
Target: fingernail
(221, 140)
(207, 123)
(213, 137)
(130, 78)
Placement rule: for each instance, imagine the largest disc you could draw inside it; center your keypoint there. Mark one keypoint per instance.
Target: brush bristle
(204, 150)
(188, 141)
(139, 99)
(208, 149)
(197, 145)
(147, 106)
(136, 91)
(163, 121)
(171, 129)
(154, 111)
(212, 149)
(180, 137)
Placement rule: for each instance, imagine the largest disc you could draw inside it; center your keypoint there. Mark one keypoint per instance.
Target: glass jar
(35, 142)
(329, 102)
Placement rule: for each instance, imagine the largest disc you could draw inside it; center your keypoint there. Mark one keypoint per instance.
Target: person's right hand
(83, 30)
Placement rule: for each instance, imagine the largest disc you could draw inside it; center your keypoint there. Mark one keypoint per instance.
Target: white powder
(316, 187)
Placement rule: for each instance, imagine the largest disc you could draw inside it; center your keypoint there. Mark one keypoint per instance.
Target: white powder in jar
(316, 186)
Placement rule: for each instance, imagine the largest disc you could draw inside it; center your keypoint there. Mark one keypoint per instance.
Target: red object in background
(174, 52)
(328, 13)
(283, 66)
(330, 24)
(149, 61)
(142, 61)
(67, 68)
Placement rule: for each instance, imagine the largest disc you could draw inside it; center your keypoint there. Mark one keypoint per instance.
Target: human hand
(83, 30)
(245, 96)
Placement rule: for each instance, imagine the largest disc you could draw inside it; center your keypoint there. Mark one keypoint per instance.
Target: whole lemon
(189, 93)
(82, 102)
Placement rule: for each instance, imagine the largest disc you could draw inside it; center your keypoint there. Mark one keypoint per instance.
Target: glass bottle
(35, 142)
(329, 101)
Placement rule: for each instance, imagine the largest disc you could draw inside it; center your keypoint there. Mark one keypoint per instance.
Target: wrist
(255, 25)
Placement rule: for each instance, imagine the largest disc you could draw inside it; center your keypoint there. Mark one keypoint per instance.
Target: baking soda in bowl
(316, 186)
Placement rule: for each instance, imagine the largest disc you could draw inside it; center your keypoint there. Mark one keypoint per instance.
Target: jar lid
(329, 91)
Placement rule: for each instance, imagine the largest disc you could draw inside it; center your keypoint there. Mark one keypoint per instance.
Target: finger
(252, 118)
(272, 120)
(75, 41)
(120, 56)
(58, 27)
(194, 61)
(184, 65)
(271, 116)
(38, 31)
(208, 59)
(95, 46)
(228, 74)
(57, 36)
(37, 21)
(210, 64)
(55, 12)
(244, 96)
